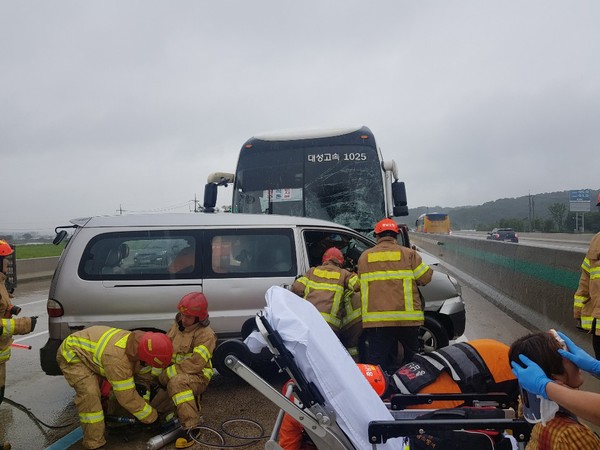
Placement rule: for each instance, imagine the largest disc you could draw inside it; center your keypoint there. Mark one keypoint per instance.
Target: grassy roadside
(27, 251)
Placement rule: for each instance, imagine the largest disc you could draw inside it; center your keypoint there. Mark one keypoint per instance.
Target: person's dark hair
(387, 233)
(542, 348)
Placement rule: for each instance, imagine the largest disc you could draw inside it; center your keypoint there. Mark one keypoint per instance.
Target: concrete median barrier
(540, 281)
(36, 268)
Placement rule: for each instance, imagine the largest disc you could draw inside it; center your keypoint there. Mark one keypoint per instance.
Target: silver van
(130, 271)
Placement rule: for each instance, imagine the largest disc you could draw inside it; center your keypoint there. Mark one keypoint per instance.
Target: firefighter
(9, 325)
(392, 310)
(117, 355)
(191, 370)
(5, 250)
(586, 305)
(334, 292)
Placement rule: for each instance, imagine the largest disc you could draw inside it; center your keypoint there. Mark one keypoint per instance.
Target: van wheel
(432, 335)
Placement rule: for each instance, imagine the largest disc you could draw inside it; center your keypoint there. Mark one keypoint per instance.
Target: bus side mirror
(400, 211)
(210, 197)
(399, 193)
(399, 198)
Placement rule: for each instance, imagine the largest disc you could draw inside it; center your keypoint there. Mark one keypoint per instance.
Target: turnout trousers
(382, 346)
(182, 395)
(87, 400)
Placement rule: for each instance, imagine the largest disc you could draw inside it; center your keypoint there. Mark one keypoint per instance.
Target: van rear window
(140, 255)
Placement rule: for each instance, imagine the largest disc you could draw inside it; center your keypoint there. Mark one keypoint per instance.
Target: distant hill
(490, 214)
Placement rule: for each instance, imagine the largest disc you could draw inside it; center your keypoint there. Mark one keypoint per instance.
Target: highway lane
(51, 399)
(565, 241)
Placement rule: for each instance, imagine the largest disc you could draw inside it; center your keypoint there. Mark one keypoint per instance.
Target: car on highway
(101, 279)
(503, 234)
(157, 254)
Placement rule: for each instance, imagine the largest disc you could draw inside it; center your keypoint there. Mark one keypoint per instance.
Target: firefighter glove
(579, 357)
(531, 376)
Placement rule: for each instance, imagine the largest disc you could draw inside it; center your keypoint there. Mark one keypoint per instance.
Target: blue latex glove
(579, 357)
(531, 377)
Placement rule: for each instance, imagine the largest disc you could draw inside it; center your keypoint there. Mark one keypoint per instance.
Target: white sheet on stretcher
(324, 361)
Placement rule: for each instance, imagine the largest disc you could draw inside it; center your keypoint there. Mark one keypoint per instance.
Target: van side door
(239, 266)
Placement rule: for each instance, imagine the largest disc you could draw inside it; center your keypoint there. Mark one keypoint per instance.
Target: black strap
(473, 374)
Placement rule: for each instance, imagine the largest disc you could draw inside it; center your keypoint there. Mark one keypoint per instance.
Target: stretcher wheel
(230, 347)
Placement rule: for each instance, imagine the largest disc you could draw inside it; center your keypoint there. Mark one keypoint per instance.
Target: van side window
(138, 255)
(252, 253)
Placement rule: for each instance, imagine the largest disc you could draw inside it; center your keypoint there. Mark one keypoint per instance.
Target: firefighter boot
(184, 440)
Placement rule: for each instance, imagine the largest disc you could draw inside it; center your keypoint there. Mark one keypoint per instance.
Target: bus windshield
(342, 183)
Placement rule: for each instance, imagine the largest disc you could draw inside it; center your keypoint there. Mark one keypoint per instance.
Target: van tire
(432, 335)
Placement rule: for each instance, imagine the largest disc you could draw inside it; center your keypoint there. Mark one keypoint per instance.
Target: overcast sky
(131, 104)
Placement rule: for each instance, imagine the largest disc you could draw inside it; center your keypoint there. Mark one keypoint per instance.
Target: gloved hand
(579, 357)
(531, 377)
(163, 378)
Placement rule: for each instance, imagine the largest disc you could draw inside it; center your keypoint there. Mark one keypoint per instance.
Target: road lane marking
(29, 336)
(33, 303)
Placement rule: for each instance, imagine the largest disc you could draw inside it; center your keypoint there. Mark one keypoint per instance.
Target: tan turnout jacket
(586, 304)
(10, 326)
(389, 275)
(330, 288)
(111, 353)
(189, 374)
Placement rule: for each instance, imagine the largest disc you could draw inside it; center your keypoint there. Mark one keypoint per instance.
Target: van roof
(190, 219)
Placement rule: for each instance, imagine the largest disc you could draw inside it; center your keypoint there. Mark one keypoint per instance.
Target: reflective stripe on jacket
(586, 301)
(104, 351)
(10, 326)
(389, 275)
(192, 351)
(330, 288)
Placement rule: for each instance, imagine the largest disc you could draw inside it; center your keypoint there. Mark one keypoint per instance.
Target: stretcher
(339, 410)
